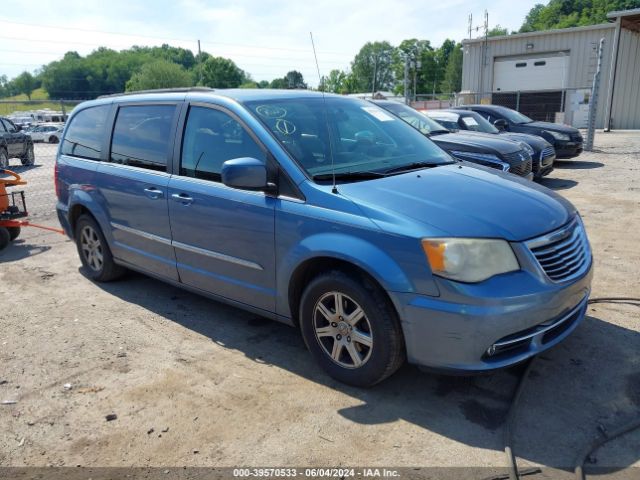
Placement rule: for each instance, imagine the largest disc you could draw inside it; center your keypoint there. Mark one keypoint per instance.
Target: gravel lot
(197, 383)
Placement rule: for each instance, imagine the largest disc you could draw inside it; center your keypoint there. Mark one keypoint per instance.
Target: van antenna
(334, 189)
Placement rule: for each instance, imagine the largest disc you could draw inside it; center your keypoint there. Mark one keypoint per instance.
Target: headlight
(469, 259)
(527, 148)
(558, 135)
(486, 159)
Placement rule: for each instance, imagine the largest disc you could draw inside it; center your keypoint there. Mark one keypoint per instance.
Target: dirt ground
(197, 383)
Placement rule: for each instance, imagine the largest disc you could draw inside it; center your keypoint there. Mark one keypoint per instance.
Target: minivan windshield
(361, 140)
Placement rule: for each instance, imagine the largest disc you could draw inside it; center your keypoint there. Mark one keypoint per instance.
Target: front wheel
(351, 329)
(4, 158)
(53, 139)
(94, 251)
(29, 157)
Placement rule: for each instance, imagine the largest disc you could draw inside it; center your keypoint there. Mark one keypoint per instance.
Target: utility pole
(416, 66)
(470, 24)
(593, 101)
(200, 62)
(375, 74)
(406, 79)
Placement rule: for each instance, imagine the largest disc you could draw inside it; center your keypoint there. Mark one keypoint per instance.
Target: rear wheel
(5, 238)
(94, 251)
(4, 158)
(14, 232)
(351, 329)
(29, 157)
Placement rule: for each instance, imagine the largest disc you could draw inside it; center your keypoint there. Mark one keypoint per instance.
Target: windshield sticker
(379, 114)
(470, 121)
(271, 111)
(285, 127)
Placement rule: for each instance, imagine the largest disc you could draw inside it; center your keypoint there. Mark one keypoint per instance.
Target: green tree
(572, 13)
(159, 74)
(218, 72)
(498, 31)
(294, 80)
(25, 83)
(452, 81)
(279, 83)
(335, 82)
(372, 67)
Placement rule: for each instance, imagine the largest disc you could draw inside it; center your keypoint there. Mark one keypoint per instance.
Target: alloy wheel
(343, 330)
(91, 248)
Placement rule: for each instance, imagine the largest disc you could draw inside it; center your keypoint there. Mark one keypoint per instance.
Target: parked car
(542, 152)
(566, 140)
(502, 154)
(14, 144)
(329, 214)
(49, 133)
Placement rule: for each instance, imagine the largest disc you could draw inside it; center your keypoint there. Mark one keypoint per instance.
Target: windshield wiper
(348, 176)
(438, 132)
(412, 166)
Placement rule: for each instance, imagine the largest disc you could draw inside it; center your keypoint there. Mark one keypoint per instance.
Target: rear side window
(85, 133)
(141, 136)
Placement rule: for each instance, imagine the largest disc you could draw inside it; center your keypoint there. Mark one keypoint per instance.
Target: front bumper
(568, 149)
(496, 324)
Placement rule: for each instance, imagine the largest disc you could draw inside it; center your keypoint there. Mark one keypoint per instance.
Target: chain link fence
(39, 120)
(569, 106)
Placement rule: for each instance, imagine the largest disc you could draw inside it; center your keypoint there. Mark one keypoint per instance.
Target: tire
(5, 238)
(14, 232)
(29, 157)
(53, 139)
(370, 347)
(4, 158)
(94, 251)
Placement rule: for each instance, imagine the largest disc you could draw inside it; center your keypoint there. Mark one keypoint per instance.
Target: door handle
(153, 193)
(182, 198)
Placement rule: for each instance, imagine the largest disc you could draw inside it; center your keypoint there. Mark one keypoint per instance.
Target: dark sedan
(542, 152)
(498, 153)
(566, 140)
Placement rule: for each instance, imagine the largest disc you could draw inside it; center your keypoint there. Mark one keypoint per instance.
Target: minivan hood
(481, 142)
(461, 200)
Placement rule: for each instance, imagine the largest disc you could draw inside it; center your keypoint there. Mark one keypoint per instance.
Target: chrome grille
(563, 254)
(547, 152)
(520, 161)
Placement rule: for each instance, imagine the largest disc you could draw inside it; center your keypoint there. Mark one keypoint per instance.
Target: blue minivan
(329, 214)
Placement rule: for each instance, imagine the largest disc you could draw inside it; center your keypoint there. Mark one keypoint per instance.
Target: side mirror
(501, 124)
(18, 128)
(246, 173)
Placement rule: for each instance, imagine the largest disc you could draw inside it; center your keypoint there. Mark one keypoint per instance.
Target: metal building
(549, 75)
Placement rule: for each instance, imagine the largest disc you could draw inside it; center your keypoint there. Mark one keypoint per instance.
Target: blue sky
(266, 38)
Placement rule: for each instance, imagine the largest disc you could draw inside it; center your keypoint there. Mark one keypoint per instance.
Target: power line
(162, 38)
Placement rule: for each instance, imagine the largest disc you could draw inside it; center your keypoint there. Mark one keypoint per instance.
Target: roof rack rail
(160, 90)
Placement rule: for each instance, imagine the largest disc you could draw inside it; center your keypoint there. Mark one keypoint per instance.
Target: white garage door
(530, 73)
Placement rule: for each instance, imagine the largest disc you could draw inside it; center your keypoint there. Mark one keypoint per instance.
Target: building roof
(629, 19)
(599, 26)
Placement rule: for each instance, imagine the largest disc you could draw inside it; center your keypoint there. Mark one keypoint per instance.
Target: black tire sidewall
(4, 153)
(5, 238)
(14, 232)
(381, 318)
(25, 160)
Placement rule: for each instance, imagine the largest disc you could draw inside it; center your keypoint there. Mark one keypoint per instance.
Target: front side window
(211, 137)
(85, 133)
(353, 135)
(513, 116)
(141, 136)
